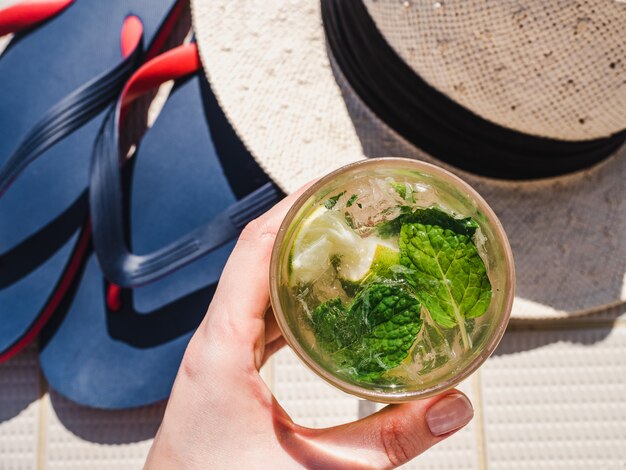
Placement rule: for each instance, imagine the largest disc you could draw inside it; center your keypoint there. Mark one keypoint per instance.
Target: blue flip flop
(119, 345)
(57, 79)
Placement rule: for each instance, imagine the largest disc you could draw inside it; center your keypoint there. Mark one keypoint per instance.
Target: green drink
(392, 279)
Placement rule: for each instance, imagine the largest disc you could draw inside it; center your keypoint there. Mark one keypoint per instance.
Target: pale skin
(221, 414)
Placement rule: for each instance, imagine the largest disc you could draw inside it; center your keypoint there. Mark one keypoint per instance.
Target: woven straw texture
(269, 68)
(552, 68)
(267, 64)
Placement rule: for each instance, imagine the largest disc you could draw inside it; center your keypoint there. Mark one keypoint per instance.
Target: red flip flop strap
(166, 30)
(171, 65)
(24, 15)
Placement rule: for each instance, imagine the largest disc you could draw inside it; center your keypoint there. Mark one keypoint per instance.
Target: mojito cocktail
(391, 278)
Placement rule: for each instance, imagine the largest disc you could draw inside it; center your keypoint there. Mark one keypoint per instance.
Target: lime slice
(326, 239)
(380, 267)
(384, 258)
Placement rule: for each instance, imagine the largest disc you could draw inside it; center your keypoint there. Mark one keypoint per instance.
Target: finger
(271, 348)
(244, 282)
(242, 293)
(397, 433)
(272, 331)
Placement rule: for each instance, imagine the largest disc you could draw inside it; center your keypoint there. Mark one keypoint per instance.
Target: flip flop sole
(130, 357)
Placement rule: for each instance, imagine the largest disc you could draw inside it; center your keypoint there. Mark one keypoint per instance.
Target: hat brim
(270, 69)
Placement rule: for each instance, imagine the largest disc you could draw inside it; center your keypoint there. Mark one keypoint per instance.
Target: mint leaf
(430, 216)
(448, 274)
(405, 191)
(330, 321)
(350, 220)
(371, 335)
(352, 200)
(330, 203)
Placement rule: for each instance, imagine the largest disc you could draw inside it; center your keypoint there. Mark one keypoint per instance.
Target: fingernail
(451, 412)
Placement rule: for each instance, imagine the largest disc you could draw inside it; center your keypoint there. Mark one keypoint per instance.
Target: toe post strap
(119, 264)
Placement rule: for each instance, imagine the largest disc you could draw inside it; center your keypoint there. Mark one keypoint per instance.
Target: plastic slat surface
(557, 400)
(80, 438)
(19, 411)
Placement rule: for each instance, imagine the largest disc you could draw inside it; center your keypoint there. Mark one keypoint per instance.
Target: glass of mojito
(392, 279)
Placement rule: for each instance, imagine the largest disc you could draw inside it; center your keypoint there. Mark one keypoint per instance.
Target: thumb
(397, 433)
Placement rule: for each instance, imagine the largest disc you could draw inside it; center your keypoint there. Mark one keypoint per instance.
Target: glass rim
(357, 390)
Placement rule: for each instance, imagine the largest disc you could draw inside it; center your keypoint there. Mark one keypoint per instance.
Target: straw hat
(553, 70)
